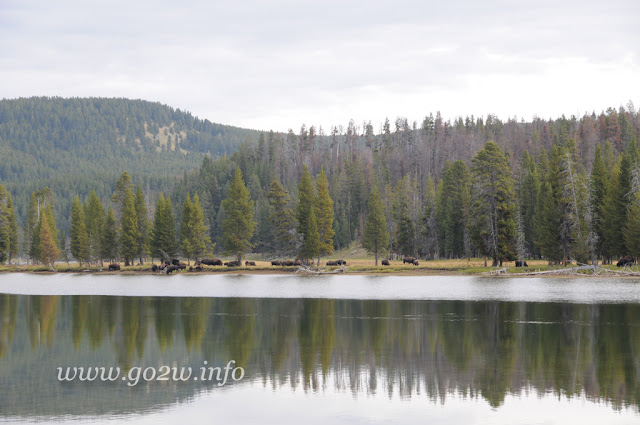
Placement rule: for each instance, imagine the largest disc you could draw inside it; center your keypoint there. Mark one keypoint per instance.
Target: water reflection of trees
(487, 349)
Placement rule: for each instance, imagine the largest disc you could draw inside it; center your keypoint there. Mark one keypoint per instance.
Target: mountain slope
(75, 145)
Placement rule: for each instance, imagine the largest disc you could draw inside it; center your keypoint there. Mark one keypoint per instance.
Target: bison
(522, 263)
(410, 260)
(249, 263)
(170, 269)
(114, 267)
(385, 262)
(154, 268)
(625, 261)
(211, 261)
(341, 262)
(276, 263)
(332, 263)
(234, 263)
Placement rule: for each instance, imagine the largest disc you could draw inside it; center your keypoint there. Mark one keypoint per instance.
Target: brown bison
(211, 261)
(409, 260)
(385, 262)
(114, 267)
(249, 263)
(625, 261)
(332, 263)
(170, 269)
(276, 263)
(234, 263)
(522, 263)
(341, 262)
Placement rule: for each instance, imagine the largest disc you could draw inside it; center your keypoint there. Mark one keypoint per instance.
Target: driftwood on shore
(595, 270)
(315, 271)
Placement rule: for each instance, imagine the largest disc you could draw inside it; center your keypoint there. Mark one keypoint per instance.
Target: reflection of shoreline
(484, 349)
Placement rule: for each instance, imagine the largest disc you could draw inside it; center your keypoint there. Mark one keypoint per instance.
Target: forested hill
(82, 144)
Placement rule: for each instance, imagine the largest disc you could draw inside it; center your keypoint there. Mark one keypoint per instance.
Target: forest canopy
(561, 189)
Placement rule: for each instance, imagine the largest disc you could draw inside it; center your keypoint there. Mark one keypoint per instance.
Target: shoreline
(435, 272)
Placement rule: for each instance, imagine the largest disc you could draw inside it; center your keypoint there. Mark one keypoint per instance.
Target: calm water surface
(342, 349)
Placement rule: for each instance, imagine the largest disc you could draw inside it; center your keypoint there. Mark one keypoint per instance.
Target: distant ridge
(74, 145)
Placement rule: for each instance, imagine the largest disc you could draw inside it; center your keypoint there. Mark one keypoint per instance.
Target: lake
(321, 349)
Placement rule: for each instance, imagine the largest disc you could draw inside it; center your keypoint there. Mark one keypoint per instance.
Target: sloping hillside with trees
(77, 145)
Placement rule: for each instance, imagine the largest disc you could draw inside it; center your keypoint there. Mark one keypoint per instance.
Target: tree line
(572, 195)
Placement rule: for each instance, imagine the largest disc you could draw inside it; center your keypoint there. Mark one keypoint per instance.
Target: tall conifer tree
(109, 240)
(307, 219)
(143, 224)
(282, 219)
(129, 232)
(238, 226)
(79, 237)
(375, 238)
(493, 207)
(48, 251)
(324, 214)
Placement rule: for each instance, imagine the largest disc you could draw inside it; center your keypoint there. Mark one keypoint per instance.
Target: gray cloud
(277, 64)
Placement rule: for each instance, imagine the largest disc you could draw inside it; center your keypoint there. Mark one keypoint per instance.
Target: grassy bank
(355, 265)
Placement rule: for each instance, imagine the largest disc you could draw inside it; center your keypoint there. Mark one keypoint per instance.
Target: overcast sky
(279, 64)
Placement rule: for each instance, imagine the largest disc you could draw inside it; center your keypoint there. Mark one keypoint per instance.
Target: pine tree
(49, 251)
(632, 227)
(198, 231)
(429, 224)
(120, 193)
(129, 233)
(79, 238)
(324, 214)
(493, 205)
(5, 241)
(455, 203)
(307, 219)
(621, 204)
(65, 253)
(528, 192)
(375, 238)
(405, 232)
(109, 241)
(143, 224)
(282, 219)
(598, 188)
(40, 201)
(185, 234)
(610, 227)
(168, 222)
(238, 226)
(157, 229)
(12, 229)
(94, 216)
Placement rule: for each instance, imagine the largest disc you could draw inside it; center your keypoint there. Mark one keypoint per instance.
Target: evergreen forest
(116, 179)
